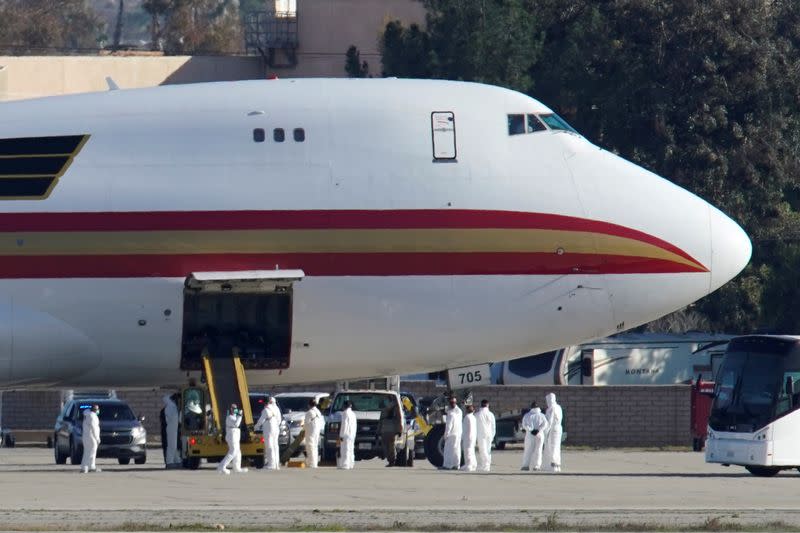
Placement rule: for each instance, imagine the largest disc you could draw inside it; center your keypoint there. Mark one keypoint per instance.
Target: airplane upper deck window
(554, 122)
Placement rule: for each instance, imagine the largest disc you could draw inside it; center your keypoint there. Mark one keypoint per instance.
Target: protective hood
(536, 410)
(550, 399)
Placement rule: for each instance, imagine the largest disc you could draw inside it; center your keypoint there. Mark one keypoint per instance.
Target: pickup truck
(367, 406)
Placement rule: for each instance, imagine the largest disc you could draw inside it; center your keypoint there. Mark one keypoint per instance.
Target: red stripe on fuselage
(318, 219)
(374, 264)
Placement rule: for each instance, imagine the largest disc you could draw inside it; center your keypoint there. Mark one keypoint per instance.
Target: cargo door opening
(246, 312)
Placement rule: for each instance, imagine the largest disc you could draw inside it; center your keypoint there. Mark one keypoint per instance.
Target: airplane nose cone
(730, 249)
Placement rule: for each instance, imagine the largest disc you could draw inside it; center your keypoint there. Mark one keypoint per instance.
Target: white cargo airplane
(333, 229)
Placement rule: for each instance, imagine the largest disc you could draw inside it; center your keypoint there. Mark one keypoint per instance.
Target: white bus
(626, 359)
(755, 420)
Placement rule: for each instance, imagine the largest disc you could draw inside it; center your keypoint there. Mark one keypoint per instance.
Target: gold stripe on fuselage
(332, 241)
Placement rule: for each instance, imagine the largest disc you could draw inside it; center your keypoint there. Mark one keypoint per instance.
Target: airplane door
(443, 134)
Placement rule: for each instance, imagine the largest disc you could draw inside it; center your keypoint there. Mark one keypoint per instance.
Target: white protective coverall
(452, 438)
(469, 437)
(486, 429)
(270, 423)
(313, 424)
(552, 446)
(533, 420)
(172, 416)
(91, 440)
(347, 439)
(233, 437)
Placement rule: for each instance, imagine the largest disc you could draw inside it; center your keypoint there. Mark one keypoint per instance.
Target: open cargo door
(248, 310)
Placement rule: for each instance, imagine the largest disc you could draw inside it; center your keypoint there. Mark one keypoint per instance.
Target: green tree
(491, 41)
(202, 26)
(51, 25)
(157, 9)
(405, 53)
(353, 65)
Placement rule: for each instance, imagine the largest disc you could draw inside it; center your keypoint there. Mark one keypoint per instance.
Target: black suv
(122, 435)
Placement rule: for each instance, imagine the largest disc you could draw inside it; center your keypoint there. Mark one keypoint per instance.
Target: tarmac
(597, 490)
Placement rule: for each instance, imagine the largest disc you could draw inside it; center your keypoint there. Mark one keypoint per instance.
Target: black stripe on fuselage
(32, 166)
(65, 144)
(25, 187)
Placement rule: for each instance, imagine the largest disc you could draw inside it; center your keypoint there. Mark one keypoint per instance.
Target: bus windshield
(751, 389)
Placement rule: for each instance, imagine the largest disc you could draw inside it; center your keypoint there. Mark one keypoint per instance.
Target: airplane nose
(730, 249)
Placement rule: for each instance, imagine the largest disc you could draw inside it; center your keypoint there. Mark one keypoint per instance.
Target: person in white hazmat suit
(453, 426)
(535, 425)
(233, 436)
(313, 424)
(347, 437)
(552, 446)
(270, 423)
(172, 417)
(485, 423)
(469, 437)
(91, 439)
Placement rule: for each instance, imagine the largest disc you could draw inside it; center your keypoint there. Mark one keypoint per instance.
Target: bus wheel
(763, 471)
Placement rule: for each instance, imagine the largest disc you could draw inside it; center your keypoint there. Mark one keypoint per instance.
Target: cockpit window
(534, 124)
(554, 122)
(516, 124)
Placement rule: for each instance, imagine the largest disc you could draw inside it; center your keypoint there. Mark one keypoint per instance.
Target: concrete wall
(326, 28)
(36, 76)
(611, 416)
(614, 416)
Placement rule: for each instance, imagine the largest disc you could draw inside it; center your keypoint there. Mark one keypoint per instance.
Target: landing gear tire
(763, 471)
(434, 445)
(124, 460)
(61, 458)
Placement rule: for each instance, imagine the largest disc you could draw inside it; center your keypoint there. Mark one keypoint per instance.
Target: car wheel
(124, 460)
(75, 453)
(259, 462)
(501, 445)
(192, 463)
(763, 471)
(142, 459)
(61, 458)
(434, 445)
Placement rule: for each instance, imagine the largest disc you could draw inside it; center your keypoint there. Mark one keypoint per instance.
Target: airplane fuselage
(506, 246)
